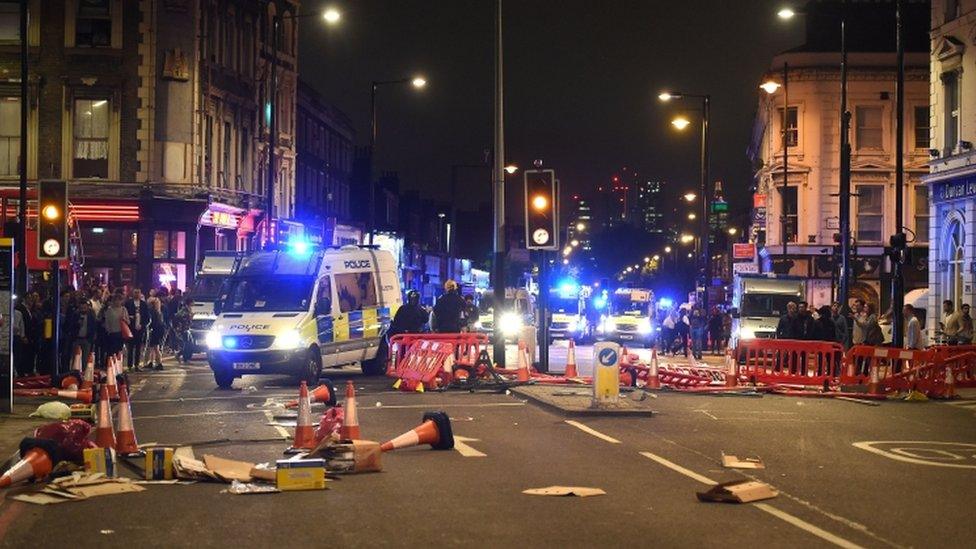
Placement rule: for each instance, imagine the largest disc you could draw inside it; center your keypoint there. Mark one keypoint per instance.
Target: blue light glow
(568, 287)
(665, 302)
(230, 342)
(600, 302)
(298, 246)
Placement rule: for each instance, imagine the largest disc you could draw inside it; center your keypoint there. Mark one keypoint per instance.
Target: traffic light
(52, 220)
(541, 210)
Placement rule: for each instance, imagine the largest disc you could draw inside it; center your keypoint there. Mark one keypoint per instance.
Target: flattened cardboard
(105, 489)
(734, 462)
(229, 469)
(350, 456)
(578, 491)
(41, 498)
(738, 491)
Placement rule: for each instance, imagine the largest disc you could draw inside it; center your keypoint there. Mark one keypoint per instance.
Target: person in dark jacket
(81, 326)
(449, 310)
(139, 319)
(824, 328)
(715, 330)
(411, 318)
(786, 329)
(805, 328)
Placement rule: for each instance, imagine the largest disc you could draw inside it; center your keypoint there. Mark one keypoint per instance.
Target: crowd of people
(861, 327)
(956, 325)
(97, 319)
(682, 327)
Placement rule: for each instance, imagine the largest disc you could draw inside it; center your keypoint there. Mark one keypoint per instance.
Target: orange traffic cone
(435, 430)
(37, 459)
(323, 393)
(523, 363)
(81, 395)
(391, 364)
(88, 377)
(731, 370)
(350, 421)
(112, 371)
(875, 381)
(653, 381)
(104, 433)
(571, 360)
(76, 360)
(304, 431)
(125, 442)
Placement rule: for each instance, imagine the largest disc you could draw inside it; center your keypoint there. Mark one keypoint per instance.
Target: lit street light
(647, 260)
(690, 197)
(680, 122)
(656, 257)
(733, 230)
(418, 82)
(770, 86)
(580, 227)
(331, 16)
(667, 249)
(786, 13)
(687, 239)
(692, 216)
(574, 243)
(511, 169)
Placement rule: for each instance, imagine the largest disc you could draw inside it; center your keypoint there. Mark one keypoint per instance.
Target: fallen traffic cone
(304, 431)
(323, 393)
(731, 370)
(435, 430)
(523, 363)
(350, 419)
(81, 395)
(125, 441)
(104, 433)
(571, 360)
(37, 458)
(653, 381)
(88, 377)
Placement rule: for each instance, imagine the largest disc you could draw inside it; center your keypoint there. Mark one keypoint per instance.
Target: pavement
(895, 475)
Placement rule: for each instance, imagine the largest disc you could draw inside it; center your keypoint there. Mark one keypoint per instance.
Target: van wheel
(377, 366)
(312, 369)
(223, 378)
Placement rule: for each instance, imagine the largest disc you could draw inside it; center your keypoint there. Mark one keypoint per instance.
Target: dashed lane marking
(198, 414)
(591, 431)
(460, 444)
(769, 509)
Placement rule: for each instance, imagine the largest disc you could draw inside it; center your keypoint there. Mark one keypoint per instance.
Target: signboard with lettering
(745, 268)
(744, 250)
(954, 189)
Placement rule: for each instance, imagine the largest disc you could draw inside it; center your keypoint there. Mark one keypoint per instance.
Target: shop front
(951, 226)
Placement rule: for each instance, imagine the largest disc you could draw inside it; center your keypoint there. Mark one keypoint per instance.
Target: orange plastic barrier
(889, 361)
(963, 367)
(792, 361)
(418, 360)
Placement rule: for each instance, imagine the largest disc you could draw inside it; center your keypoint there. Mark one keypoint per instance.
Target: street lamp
(331, 17)
(680, 122)
(656, 257)
(687, 239)
(691, 216)
(690, 197)
(733, 231)
(580, 227)
(786, 13)
(418, 82)
(770, 86)
(511, 169)
(667, 249)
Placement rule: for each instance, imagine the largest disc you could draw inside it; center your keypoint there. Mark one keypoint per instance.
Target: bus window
(357, 291)
(323, 301)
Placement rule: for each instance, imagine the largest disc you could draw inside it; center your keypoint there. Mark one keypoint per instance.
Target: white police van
(296, 311)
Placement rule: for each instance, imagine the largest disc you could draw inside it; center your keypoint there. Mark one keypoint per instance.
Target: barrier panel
(798, 362)
(964, 362)
(889, 361)
(419, 359)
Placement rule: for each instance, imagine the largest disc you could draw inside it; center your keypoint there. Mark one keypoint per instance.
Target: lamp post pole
(784, 224)
(898, 241)
(705, 236)
(21, 284)
(498, 243)
(270, 232)
(844, 190)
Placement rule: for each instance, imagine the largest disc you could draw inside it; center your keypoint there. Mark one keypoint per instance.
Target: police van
(296, 311)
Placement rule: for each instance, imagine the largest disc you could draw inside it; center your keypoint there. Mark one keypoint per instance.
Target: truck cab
(629, 317)
(296, 311)
(758, 302)
(214, 270)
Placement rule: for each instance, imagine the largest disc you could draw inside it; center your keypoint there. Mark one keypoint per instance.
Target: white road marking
(199, 414)
(593, 432)
(707, 413)
(281, 430)
(193, 399)
(365, 407)
(902, 454)
(778, 513)
(466, 450)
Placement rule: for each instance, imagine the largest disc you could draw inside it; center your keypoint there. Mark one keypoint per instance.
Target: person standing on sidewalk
(157, 330)
(81, 325)
(715, 330)
(913, 330)
(698, 325)
(139, 314)
(113, 315)
(843, 334)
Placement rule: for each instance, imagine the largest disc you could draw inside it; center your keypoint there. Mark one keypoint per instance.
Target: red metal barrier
(964, 367)
(773, 361)
(418, 360)
(890, 362)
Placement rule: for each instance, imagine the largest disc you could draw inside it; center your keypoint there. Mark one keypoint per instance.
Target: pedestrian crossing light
(541, 210)
(52, 224)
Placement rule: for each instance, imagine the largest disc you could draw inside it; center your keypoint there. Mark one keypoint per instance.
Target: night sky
(581, 79)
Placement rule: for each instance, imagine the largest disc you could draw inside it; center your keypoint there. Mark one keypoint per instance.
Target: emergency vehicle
(567, 306)
(518, 312)
(299, 310)
(214, 270)
(628, 317)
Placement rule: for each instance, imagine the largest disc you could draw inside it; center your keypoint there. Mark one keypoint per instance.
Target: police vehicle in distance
(297, 311)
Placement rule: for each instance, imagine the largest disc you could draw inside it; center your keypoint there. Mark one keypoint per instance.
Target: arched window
(953, 253)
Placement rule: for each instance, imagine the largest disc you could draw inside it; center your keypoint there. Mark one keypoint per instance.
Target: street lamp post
(21, 285)
(706, 256)
(417, 82)
(898, 240)
(498, 242)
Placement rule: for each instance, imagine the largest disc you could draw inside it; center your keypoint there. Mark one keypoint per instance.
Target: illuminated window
(91, 124)
(870, 213)
(9, 136)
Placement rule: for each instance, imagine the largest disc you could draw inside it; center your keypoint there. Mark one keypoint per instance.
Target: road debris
(239, 488)
(578, 491)
(349, 456)
(300, 474)
(435, 430)
(734, 462)
(738, 491)
(228, 470)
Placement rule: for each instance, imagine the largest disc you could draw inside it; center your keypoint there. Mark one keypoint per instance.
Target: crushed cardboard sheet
(245, 488)
(349, 456)
(264, 471)
(738, 491)
(229, 469)
(79, 486)
(733, 462)
(578, 491)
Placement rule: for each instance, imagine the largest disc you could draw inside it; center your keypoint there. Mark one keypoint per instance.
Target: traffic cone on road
(435, 430)
(323, 393)
(731, 371)
(125, 441)
(304, 431)
(875, 381)
(571, 360)
(112, 371)
(104, 433)
(37, 458)
(523, 363)
(350, 420)
(81, 395)
(88, 377)
(76, 364)
(653, 381)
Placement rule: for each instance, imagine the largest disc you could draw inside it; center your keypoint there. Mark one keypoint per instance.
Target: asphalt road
(919, 492)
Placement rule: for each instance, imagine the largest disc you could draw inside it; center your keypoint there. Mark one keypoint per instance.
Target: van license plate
(247, 365)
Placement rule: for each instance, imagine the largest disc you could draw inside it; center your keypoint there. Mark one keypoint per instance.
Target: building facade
(802, 209)
(152, 111)
(952, 181)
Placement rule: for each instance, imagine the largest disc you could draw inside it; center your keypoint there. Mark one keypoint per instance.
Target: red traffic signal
(541, 210)
(52, 221)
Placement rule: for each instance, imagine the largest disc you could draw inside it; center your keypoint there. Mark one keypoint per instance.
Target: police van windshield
(207, 287)
(623, 304)
(564, 304)
(766, 305)
(250, 294)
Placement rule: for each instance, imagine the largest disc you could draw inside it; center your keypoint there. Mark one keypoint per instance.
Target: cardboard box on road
(738, 491)
(300, 474)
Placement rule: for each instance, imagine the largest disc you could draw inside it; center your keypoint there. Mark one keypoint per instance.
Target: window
(244, 160)
(922, 127)
(950, 86)
(225, 181)
(868, 127)
(870, 213)
(357, 291)
(91, 120)
(169, 245)
(954, 254)
(9, 136)
(323, 300)
(9, 22)
(951, 10)
(792, 135)
(921, 214)
(789, 207)
(93, 25)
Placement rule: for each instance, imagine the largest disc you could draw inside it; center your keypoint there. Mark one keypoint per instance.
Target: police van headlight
(288, 340)
(573, 325)
(511, 324)
(747, 333)
(644, 326)
(477, 325)
(213, 339)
